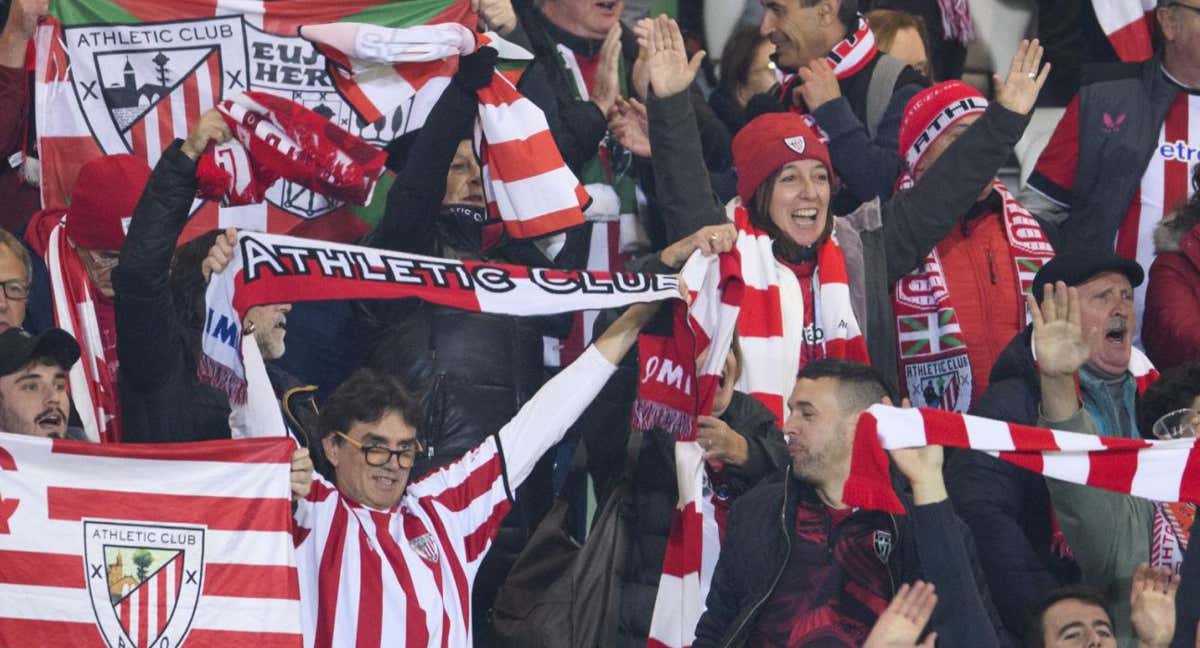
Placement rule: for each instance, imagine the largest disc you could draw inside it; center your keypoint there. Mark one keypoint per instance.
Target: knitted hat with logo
(770, 141)
(931, 112)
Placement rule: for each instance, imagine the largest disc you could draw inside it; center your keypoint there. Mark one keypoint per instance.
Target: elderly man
(33, 383)
(384, 561)
(1119, 161)
(160, 311)
(81, 247)
(855, 93)
(826, 573)
(1021, 544)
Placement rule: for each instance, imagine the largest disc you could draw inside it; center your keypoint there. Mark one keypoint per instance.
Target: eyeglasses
(378, 456)
(15, 289)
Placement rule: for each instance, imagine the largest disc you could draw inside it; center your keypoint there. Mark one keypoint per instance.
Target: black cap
(1075, 268)
(18, 347)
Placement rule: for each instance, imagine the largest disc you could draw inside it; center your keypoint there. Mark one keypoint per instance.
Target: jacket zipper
(787, 554)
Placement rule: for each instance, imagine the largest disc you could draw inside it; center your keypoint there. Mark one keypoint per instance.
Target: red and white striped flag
(1128, 25)
(1164, 471)
(184, 544)
(381, 71)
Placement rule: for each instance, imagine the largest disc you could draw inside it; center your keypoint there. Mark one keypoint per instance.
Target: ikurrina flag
(131, 76)
(186, 544)
(1128, 25)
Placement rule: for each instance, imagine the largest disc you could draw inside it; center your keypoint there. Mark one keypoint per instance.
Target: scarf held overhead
(384, 71)
(272, 269)
(1163, 471)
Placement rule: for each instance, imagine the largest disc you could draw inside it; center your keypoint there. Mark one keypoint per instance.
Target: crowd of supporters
(841, 137)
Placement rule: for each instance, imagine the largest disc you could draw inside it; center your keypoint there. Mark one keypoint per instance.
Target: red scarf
(934, 364)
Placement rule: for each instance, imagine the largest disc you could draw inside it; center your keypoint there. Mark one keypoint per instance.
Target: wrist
(929, 489)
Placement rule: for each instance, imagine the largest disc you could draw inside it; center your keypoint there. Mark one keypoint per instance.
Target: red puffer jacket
(1169, 327)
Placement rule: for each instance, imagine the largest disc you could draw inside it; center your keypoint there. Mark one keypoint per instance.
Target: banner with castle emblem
(131, 76)
(140, 546)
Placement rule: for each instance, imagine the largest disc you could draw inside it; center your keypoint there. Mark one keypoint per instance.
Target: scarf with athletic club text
(935, 368)
(273, 269)
(737, 290)
(275, 138)
(402, 72)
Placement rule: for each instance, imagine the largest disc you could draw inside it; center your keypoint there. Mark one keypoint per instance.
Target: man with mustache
(33, 383)
(1026, 550)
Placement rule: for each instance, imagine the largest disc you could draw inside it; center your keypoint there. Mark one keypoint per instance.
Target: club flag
(140, 546)
(131, 76)
(1128, 25)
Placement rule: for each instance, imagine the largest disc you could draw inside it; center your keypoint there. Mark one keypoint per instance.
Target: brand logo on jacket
(1113, 124)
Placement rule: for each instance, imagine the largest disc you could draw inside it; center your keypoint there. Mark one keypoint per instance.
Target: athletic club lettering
(943, 119)
(144, 580)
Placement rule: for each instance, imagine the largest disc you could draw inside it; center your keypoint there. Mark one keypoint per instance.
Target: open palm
(667, 63)
(1057, 332)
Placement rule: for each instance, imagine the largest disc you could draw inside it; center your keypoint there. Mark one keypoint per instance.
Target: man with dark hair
(855, 93)
(1078, 615)
(386, 562)
(33, 383)
(827, 574)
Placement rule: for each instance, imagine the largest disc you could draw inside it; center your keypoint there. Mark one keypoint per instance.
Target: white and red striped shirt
(403, 577)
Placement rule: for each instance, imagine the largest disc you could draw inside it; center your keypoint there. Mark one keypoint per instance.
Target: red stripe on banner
(1189, 483)
(214, 81)
(275, 450)
(369, 632)
(191, 94)
(217, 513)
(279, 221)
(416, 628)
(28, 632)
(1132, 42)
(141, 598)
(761, 315)
(945, 428)
(166, 125)
(251, 581)
(1112, 469)
(137, 139)
(545, 224)
(458, 498)
(43, 569)
(477, 540)
(348, 88)
(683, 552)
(1176, 173)
(197, 638)
(287, 17)
(1027, 438)
(61, 159)
(1028, 460)
(160, 604)
(532, 157)
(154, 11)
(773, 402)
(330, 572)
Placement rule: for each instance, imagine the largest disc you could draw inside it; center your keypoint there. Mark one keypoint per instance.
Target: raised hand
(640, 76)
(220, 254)
(630, 124)
(23, 17)
(210, 128)
(901, 623)
(1057, 332)
(669, 69)
(1153, 606)
(713, 239)
(497, 15)
(607, 85)
(1020, 89)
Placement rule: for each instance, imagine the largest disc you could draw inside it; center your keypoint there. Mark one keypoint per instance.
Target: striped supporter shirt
(403, 577)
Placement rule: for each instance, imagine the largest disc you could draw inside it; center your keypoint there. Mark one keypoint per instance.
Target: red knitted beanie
(931, 112)
(105, 193)
(770, 141)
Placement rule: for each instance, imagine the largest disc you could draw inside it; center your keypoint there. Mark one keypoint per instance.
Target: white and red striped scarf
(736, 290)
(380, 70)
(1162, 471)
(403, 577)
(272, 269)
(931, 341)
(956, 20)
(847, 58)
(93, 385)
(275, 138)
(1128, 25)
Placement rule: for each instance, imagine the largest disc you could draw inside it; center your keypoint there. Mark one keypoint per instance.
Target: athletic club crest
(796, 143)
(144, 580)
(426, 547)
(883, 545)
